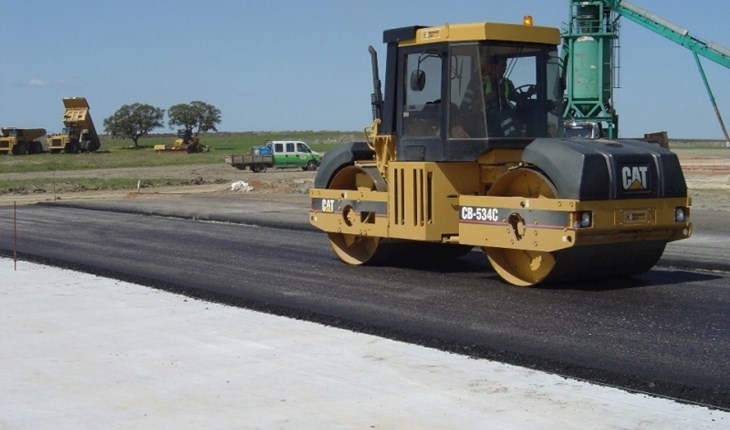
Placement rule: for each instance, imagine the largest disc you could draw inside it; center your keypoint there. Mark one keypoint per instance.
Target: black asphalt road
(666, 332)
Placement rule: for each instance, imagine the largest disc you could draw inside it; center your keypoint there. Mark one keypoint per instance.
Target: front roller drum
(353, 249)
(358, 250)
(528, 268)
(350, 248)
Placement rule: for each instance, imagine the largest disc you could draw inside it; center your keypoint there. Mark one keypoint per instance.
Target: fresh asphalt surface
(665, 332)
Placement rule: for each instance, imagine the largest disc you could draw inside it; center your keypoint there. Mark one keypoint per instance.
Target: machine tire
(258, 168)
(36, 147)
(72, 148)
(338, 158)
(20, 149)
(311, 166)
(88, 146)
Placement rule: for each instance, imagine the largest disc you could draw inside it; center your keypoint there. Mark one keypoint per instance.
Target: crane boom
(588, 45)
(710, 50)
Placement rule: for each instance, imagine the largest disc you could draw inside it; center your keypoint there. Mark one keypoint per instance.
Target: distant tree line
(136, 120)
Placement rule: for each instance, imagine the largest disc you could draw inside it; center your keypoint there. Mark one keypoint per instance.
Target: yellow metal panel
(334, 213)
(646, 217)
(336, 223)
(423, 202)
(58, 141)
(547, 224)
(485, 31)
(544, 223)
(75, 103)
(531, 238)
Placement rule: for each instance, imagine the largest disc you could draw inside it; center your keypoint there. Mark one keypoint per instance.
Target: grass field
(116, 153)
(120, 153)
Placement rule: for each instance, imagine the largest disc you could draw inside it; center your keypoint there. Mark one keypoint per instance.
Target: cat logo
(634, 178)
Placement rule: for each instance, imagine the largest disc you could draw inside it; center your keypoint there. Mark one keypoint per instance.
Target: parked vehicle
(79, 133)
(21, 141)
(444, 170)
(185, 141)
(279, 154)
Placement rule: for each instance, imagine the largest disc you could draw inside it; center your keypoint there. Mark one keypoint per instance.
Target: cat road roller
(465, 151)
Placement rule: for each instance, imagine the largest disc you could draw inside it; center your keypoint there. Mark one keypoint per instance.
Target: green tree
(194, 116)
(134, 121)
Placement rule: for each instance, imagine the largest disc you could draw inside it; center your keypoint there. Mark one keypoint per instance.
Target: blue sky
(295, 65)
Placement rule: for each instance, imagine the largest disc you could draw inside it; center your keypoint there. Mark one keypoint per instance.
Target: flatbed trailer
(257, 163)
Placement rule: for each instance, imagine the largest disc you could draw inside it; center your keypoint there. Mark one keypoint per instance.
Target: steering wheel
(526, 91)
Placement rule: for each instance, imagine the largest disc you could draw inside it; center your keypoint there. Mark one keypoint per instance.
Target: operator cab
(456, 100)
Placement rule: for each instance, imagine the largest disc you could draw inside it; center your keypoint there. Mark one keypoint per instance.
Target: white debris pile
(242, 186)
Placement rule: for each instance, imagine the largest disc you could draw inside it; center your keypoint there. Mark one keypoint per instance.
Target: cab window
(422, 95)
(466, 93)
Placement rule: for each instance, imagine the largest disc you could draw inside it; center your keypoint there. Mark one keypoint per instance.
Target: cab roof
(422, 35)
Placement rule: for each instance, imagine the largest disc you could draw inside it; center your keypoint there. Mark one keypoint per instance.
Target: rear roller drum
(528, 268)
(518, 267)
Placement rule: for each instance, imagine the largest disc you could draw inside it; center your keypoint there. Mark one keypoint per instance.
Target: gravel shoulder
(707, 173)
(213, 179)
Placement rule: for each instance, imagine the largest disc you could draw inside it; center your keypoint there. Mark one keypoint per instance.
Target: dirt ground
(198, 179)
(707, 173)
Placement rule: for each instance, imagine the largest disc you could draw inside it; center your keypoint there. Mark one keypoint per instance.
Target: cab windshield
(503, 90)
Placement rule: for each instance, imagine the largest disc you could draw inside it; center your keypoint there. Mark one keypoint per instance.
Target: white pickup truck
(278, 154)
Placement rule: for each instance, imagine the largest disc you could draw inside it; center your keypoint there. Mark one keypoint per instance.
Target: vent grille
(413, 197)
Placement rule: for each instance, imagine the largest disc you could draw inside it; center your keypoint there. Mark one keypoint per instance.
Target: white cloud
(42, 83)
(38, 83)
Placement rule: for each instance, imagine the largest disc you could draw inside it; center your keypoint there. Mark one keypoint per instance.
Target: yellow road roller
(467, 149)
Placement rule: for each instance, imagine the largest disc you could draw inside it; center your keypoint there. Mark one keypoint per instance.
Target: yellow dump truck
(79, 133)
(21, 141)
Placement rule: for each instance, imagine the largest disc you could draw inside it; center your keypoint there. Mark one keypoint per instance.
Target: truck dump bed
(77, 114)
(27, 133)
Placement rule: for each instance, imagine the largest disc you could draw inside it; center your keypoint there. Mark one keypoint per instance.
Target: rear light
(582, 219)
(681, 214)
